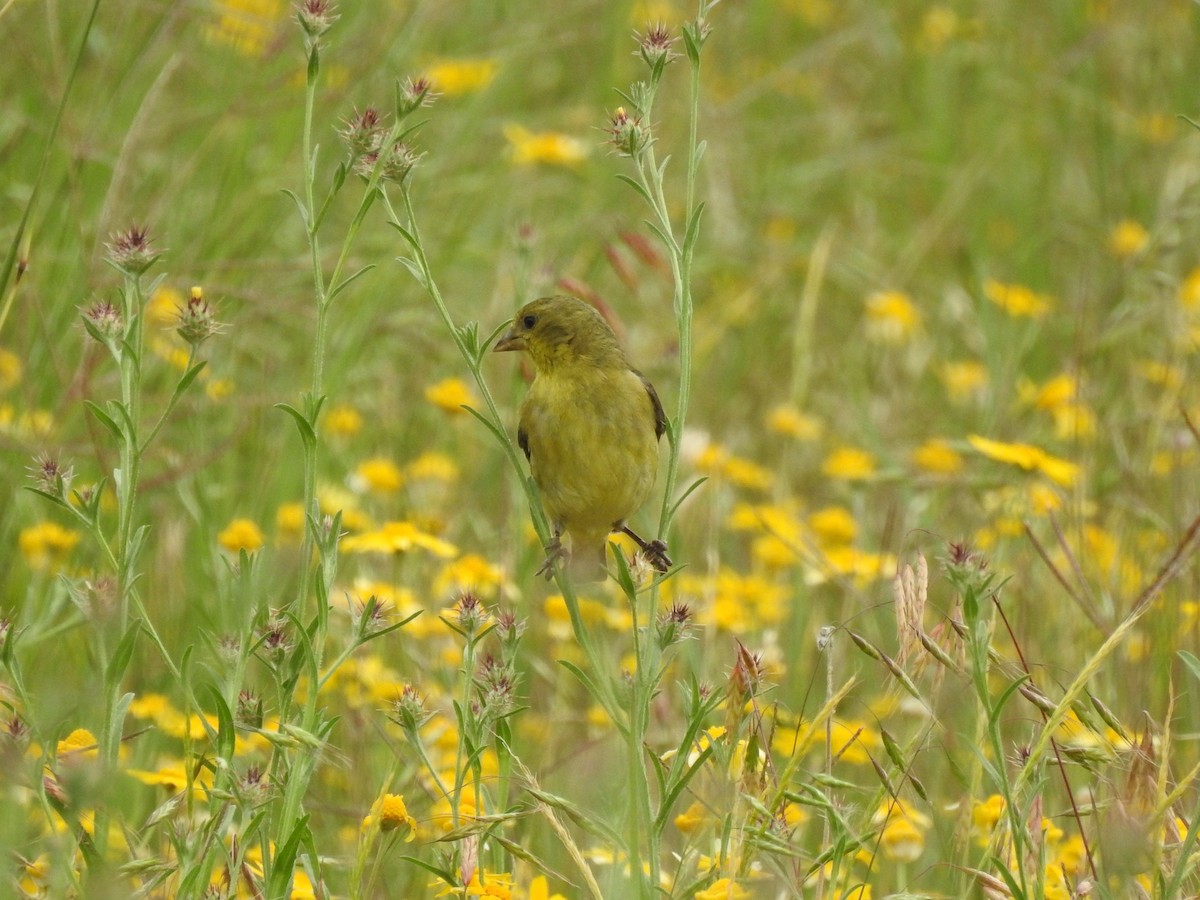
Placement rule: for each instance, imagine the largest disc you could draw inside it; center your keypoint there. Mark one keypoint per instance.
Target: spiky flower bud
(50, 476)
(674, 625)
(399, 160)
(249, 709)
(409, 710)
(655, 45)
(316, 17)
(196, 321)
(103, 322)
(627, 133)
(130, 250)
(413, 94)
(363, 132)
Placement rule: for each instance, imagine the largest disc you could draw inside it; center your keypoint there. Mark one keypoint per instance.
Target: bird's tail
(588, 559)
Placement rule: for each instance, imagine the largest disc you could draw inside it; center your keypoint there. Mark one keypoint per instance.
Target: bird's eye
(529, 321)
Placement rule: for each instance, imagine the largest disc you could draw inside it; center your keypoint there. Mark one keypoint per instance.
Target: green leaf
(345, 282)
(308, 436)
(637, 186)
(1191, 662)
(103, 418)
(300, 207)
(693, 229)
(285, 861)
(124, 652)
(414, 269)
(225, 727)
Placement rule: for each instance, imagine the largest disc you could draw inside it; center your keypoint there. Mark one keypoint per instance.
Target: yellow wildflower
(472, 572)
(173, 778)
(343, 421)
(451, 395)
(723, 889)
(937, 457)
(539, 889)
(833, 525)
(392, 815)
(693, 818)
(289, 521)
(1127, 239)
(11, 370)
(1017, 300)
(398, 537)
(79, 744)
(378, 474)
(453, 77)
(789, 421)
(1189, 291)
(849, 464)
(964, 379)
(241, 534)
(1028, 457)
(248, 26)
(46, 544)
(432, 467)
(903, 835)
(549, 147)
(892, 318)
(939, 26)
(984, 816)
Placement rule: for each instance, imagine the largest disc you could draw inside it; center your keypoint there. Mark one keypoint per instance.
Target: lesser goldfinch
(589, 426)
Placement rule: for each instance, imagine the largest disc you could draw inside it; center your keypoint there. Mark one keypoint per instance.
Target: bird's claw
(555, 552)
(656, 555)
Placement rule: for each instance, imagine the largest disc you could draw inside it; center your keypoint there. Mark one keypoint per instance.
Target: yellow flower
(723, 889)
(379, 475)
(984, 816)
(693, 818)
(11, 370)
(849, 464)
(789, 421)
(343, 421)
(469, 572)
(46, 544)
(1027, 457)
(903, 835)
(173, 778)
(241, 534)
(891, 317)
(539, 889)
(937, 457)
(289, 521)
(833, 525)
(939, 26)
(550, 147)
(432, 467)
(451, 395)
(1017, 300)
(1060, 391)
(1189, 291)
(79, 744)
(392, 815)
(1127, 239)
(398, 537)
(964, 380)
(453, 77)
(247, 26)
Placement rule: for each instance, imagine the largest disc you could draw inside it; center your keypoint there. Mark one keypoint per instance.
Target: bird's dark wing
(660, 417)
(523, 442)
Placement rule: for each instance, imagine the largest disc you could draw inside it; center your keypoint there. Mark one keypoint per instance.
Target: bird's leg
(555, 552)
(656, 550)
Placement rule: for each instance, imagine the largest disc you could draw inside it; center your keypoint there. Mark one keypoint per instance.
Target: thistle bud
(413, 94)
(627, 133)
(103, 322)
(363, 132)
(130, 251)
(655, 45)
(196, 321)
(316, 17)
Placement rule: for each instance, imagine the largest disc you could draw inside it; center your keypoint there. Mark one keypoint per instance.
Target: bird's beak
(510, 340)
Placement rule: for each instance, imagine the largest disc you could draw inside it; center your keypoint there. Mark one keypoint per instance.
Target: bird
(589, 426)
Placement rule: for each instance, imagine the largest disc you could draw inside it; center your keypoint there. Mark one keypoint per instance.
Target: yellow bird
(589, 426)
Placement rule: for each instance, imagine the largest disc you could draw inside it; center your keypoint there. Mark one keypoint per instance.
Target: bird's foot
(655, 551)
(555, 552)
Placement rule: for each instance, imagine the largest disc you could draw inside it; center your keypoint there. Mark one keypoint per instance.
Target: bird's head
(561, 330)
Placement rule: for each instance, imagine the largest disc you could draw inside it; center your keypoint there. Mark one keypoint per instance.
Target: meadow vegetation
(919, 285)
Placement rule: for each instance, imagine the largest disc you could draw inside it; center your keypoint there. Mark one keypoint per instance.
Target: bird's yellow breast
(593, 448)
